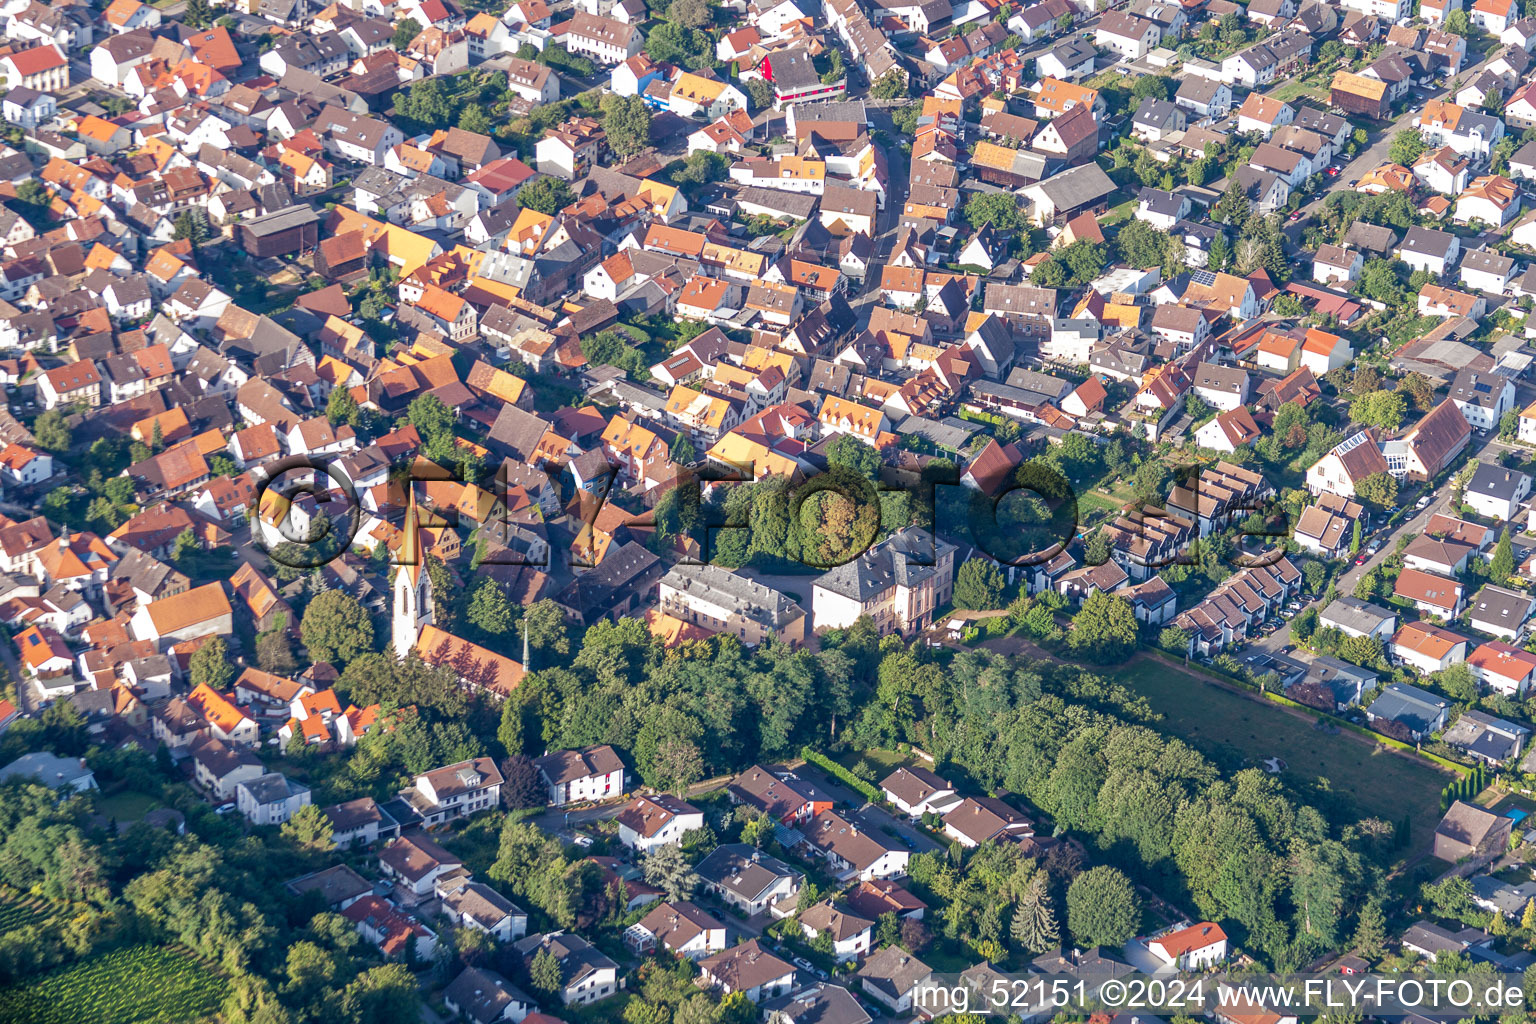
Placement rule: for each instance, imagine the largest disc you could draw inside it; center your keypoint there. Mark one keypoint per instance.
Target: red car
(1360, 560)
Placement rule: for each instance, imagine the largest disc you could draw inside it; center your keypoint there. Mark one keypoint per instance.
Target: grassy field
(1235, 730)
(137, 985)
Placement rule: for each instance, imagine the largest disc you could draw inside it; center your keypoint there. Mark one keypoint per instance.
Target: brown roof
(1439, 435)
(648, 815)
(745, 966)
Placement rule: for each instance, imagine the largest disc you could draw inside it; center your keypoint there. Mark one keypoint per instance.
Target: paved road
(1375, 154)
(878, 818)
(1490, 446)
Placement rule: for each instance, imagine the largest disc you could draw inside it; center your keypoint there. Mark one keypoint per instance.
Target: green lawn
(883, 761)
(1234, 730)
(1296, 88)
(137, 985)
(126, 806)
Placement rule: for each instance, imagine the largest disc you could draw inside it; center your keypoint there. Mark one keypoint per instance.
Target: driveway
(875, 817)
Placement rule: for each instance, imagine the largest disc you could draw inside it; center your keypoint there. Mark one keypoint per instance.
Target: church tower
(413, 586)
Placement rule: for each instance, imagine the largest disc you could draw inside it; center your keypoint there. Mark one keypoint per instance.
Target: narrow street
(1413, 524)
(1375, 154)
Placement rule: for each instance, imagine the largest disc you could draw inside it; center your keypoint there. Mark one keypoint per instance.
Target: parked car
(1422, 502)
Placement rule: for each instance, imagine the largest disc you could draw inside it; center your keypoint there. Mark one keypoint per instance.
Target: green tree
(52, 431)
(1370, 930)
(627, 122)
(341, 408)
(544, 972)
(682, 451)
(191, 226)
(547, 195)
(1378, 489)
(474, 119)
(1408, 145)
(1000, 209)
(1502, 565)
(889, 86)
(381, 995)
(1034, 922)
(667, 868)
(336, 628)
(430, 417)
(761, 93)
(1141, 245)
(1104, 630)
(197, 14)
(210, 665)
(405, 34)
(1102, 908)
(309, 829)
(692, 13)
(489, 609)
(1382, 409)
(979, 585)
(1457, 23)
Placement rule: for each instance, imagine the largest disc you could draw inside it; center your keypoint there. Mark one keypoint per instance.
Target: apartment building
(720, 601)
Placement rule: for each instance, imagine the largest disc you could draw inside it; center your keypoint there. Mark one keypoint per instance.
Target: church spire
(410, 547)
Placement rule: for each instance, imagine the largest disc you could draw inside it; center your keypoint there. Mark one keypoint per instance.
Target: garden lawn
(137, 985)
(126, 806)
(1235, 730)
(883, 761)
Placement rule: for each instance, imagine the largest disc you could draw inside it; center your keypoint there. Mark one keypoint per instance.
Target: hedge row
(842, 774)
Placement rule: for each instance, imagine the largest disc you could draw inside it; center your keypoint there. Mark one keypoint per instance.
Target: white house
(650, 822)
(1191, 949)
(270, 799)
(593, 773)
(917, 791)
(680, 927)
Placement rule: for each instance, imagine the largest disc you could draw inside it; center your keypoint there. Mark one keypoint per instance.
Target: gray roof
(281, 220)
(483, 994)
(743, 870)
(821, 1003)
(1500, 607)
(50, 769)
(272, 788)
(744, 597)
(949, 434)
(1076, 187)
(1494, 480)
(906, 559)
(1418, 709)
(1353, 613)
(1428, 242)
